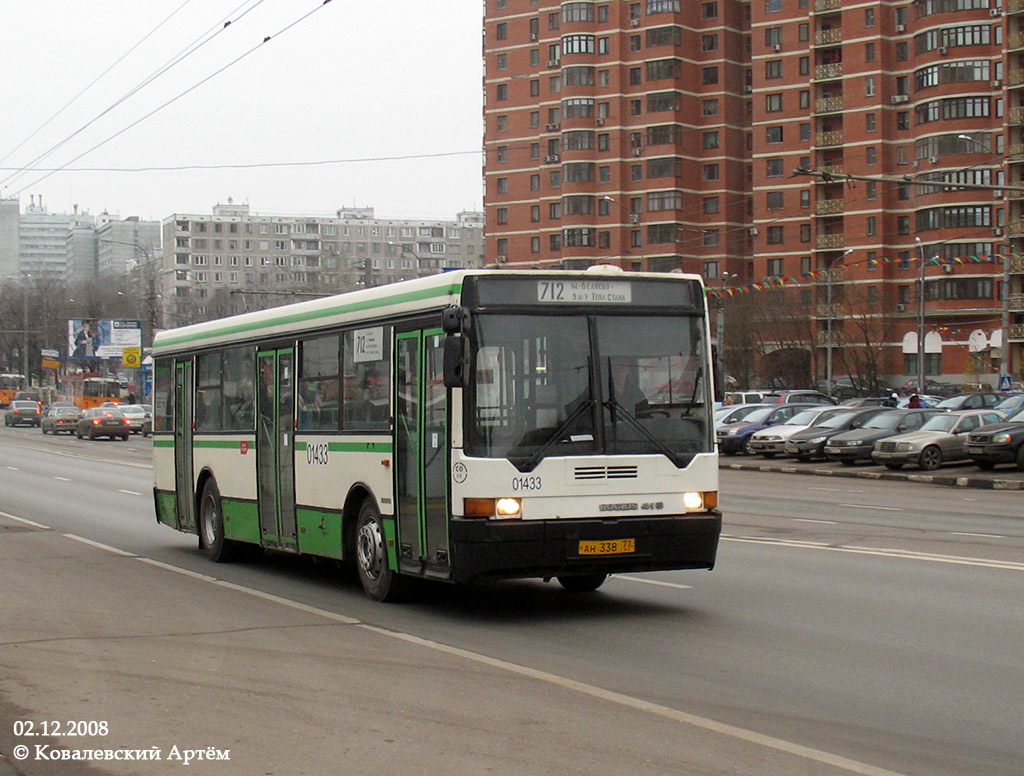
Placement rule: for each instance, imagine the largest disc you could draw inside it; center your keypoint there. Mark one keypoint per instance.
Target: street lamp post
(24, 334)
(920, 320)
(634, 219)
(720, 324)
(828, 304)
(150, 278)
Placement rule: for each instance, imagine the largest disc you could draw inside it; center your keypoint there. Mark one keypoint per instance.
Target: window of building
(773, 168)
(775, 267)
(710, 204)
(501, 31)
(709, 172)
(773, 102)
(709, 75)
(710, 139)
(773, 134)
(776, 235)
(775, 200)
(773, 68)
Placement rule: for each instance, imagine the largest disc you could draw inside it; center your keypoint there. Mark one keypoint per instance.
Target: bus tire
(582, 583)
(211, 526)
(379, 581)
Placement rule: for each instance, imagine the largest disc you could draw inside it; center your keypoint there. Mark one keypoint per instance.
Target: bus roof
(410, 296)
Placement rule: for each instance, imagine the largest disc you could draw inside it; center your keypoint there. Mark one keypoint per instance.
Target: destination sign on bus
(584, 291)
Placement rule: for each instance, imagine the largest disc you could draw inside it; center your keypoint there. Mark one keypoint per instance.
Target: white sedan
(771, 441)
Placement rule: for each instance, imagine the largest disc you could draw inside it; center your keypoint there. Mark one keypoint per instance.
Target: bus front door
(421, 460)
(183, 470)
(275, 443)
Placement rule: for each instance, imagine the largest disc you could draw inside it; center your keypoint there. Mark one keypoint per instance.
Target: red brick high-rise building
(775, 139)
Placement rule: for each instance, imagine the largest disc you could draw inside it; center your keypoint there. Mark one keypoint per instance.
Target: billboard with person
(90, 338)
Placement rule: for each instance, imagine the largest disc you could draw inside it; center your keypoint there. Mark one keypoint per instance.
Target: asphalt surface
(964, 476)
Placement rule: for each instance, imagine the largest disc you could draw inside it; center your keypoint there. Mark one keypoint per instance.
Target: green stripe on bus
(163, 442)
(218, 444)
(351, 307)
(352, 447)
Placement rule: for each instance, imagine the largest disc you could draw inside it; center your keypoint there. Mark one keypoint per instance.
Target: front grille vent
(606, 472)
(887, 447)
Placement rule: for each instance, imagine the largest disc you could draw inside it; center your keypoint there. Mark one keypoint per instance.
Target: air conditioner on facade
(501, 259)
(548, 159)
(994, 11)
(901, 28)
(637, 151)
(997, 232)
(600, 122)
(777, 47)
(753, 231)
(997, 84)
(552, 63)
(947, 268)
(901, 308)
(533, 36)
(898, 98)
(933, 159)
(551, 127)
(748, 89)
(634, 22)
(943, 50)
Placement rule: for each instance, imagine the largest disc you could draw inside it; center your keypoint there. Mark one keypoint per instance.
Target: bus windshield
(587, 385)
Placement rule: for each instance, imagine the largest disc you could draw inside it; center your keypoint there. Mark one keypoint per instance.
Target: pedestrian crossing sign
(1004, 383)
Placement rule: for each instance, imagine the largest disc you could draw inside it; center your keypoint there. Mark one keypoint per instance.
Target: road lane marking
(107, 547)
(32, 523)
(129, 492)
(13, 468)
(656, 582)
(812, 520)
(869, 506)
(63, 479)
(980, 535)
(836, 490)
(956, 560)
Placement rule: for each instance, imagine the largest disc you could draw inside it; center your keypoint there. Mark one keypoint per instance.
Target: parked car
(752, 396)
(870, 401)
(857, 444)
(735, 437)
(932, 388)
(999, 443)
(1010, 404)
(797, 397)
(103, 421)
(810, 443)
(969, 401)
(941, 439)
(22, 413)
(136, 414)
(734, 414)
(58, 419)
(771, 441)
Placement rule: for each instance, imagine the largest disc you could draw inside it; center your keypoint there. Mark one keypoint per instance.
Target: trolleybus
(10, 384)
(470, 425)
(87, 390)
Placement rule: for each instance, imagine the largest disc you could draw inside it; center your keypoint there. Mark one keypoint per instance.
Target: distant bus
(89, 390)
(467, 426)
(10, 384)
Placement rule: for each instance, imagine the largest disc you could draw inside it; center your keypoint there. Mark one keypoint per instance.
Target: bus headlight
(501, 508)
(697, 500)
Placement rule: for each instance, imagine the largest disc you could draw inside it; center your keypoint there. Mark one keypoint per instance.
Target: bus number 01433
(316, 453)
(526, 483)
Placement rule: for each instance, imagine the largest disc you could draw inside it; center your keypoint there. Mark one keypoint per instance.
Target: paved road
(838, 635)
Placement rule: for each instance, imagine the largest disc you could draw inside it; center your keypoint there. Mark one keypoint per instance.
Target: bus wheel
(379, 581)
(584, 583)
(211, 525)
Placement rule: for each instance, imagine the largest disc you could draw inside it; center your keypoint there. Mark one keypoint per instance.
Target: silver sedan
(940, 440)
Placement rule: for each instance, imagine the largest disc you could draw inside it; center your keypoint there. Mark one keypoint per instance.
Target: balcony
(829, 104)
(829, 169)
(1015, 227)
(826, 72)
(830, 241)
(1014, 40)
(830, 207)
(1017, 264)
(824, 6)
(1015, 79)
(1016, 303)
(1015, 115)
(1014, 6)
(828, 37)
(1014, 150)
(1016, 332)
(828, 139)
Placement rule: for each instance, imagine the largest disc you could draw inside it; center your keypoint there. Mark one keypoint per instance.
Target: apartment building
(865, 147)
(234, 260)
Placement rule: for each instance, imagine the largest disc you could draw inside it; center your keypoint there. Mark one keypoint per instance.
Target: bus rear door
(183, 469)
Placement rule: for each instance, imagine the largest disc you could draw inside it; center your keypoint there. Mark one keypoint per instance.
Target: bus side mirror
(454, 361)
(719, 374)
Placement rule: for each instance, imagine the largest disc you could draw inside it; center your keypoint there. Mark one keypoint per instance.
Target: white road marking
(981, 535)
(656, 582)
(13, 468)
(129, 492)
(869, 506)
(836, 490)
(811, 520)
(63, 479)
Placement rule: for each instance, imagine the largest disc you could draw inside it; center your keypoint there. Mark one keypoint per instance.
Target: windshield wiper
(530, 462)
(617, 409)
(696, 386)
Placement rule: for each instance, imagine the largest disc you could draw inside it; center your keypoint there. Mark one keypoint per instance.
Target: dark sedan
(735, 437)
(856, 445)
(805, 445)
(23, 413)
(60, 419)
(103, 421)
(998, 443)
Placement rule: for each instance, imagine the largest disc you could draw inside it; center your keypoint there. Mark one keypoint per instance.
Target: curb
(982, 483)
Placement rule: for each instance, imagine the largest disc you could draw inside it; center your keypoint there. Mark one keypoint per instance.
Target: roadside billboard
(91, 338)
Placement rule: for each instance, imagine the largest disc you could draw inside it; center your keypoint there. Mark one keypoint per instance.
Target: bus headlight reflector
(693, 500)
(508, 507)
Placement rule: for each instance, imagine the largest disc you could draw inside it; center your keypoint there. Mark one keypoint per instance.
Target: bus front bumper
(492, 549)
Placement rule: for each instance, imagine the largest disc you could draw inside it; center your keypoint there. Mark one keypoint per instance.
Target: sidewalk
(966, 476)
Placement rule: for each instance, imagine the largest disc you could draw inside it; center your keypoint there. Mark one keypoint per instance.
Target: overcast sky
(355, 80)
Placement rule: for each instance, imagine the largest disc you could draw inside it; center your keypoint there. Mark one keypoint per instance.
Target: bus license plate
(608, 547)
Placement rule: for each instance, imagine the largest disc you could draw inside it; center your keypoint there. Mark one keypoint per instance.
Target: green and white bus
(470, 425)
